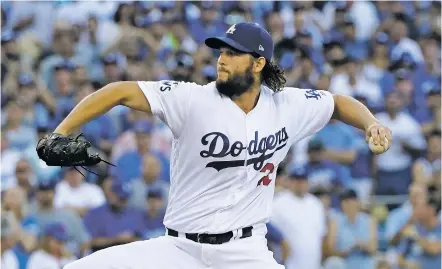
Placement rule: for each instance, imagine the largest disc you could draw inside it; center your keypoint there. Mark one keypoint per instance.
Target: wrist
(370, 124)
(62, 130)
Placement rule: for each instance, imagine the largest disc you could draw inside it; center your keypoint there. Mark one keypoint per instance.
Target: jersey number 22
(268, 170)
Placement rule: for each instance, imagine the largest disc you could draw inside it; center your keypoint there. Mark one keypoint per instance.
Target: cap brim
(218, 42)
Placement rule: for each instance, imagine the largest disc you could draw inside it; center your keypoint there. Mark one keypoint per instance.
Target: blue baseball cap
(7, 36)
(143, 126)
(348, 194)
(122, 189)
(287, 61)
(25, 79)
(111, 58)
(430, 88)
(209, 71)
(381, 38)
(402, 74)
(304, 33)
(57, 231)
(315, 144)
(46, 185)
(298, 173)
(65, 65)
(246, 37)
(154, 193)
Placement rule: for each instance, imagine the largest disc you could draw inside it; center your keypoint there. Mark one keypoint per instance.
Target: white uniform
(223, 165)
(302, 223)
(41, 259)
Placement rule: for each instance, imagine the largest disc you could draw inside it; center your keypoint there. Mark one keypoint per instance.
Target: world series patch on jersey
(224, 161)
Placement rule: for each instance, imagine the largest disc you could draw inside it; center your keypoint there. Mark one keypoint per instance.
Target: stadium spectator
(347, 147)
(434, 106)
(305, 238)
(128, 164)
(18, 134)
(401, 41)
(401, 217)
(75, 194)
(427, 169)
(10, 157)
(394, 175)
(421, 248)
(152, 224)
(35, 100)
(8, 258)
(354, 236)
(115, 222)
(351, 81)
(45, 213)
(209, 23)
(325, 173)
(378, 60)
(330, 218)
(53, 253)
(277, 244)
(150, 171)
(25, 180)
(357, 48)
(26, 228)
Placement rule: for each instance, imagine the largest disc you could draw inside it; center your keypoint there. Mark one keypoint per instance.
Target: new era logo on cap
(247, 37)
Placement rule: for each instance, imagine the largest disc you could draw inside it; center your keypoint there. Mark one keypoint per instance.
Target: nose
(221, 60)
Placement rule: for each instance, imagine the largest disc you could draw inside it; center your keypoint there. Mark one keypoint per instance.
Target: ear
(259, 64)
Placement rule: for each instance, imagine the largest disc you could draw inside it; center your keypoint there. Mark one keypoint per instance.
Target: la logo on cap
(261, 48)
(231, 30)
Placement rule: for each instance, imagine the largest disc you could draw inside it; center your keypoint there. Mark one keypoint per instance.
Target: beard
(237, 84)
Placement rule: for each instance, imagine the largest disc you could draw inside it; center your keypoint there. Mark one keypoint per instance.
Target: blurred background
(381, 211)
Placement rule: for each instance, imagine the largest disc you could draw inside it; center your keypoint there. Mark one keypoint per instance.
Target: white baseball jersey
(223, 161)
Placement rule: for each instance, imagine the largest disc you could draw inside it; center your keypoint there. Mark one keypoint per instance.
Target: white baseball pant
(167, 252)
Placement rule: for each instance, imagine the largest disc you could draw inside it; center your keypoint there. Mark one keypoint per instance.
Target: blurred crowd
(380, 211)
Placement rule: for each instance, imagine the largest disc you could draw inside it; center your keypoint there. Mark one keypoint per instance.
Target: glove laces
(78, 170)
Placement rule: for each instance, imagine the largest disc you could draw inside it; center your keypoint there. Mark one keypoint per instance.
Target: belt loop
(239, 232)
(235, 235)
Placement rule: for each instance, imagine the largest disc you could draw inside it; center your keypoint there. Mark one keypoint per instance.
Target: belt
(214, 239)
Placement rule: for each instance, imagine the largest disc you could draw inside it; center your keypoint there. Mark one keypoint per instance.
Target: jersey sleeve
(308, 110)
(170, 101)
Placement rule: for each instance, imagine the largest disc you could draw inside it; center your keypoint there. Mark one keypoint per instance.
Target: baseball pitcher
(229, 138)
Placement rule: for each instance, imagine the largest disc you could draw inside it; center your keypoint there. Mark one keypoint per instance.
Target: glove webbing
(78, 170)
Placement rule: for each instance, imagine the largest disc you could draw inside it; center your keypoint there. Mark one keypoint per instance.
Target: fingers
(375, 135)
(382, 135)
(389, 135)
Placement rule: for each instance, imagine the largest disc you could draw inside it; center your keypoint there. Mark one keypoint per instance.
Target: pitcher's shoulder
(292, 94)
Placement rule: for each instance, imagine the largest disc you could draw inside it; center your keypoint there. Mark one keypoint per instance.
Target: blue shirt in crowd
(396, 220)
(104, 222)
(327, 174)
(337, 135)
(412, 251)
(22, 138)
(274, 238)
(101, 128)
(361, 166)
(29, 225)
(349, 234)
(153, 227)
(128, 166)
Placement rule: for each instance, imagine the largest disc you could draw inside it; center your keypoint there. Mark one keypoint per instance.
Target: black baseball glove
(59, 150)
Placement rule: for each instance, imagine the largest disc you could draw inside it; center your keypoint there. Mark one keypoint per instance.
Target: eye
(229, 53)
